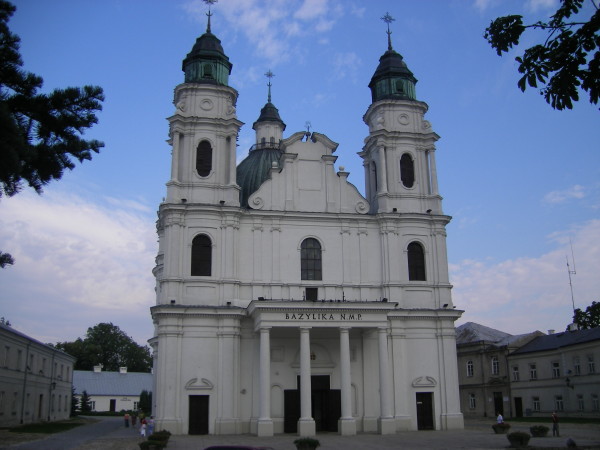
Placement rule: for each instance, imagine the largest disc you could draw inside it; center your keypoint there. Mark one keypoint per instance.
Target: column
(347, 423)
(306, 424)
(382, 172)
(265, 423)
(386, 423)
(433, 172)
(175, 157)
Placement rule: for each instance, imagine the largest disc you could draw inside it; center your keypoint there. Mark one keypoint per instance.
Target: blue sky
(520, 179)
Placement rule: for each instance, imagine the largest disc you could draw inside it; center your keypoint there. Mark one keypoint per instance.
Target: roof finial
(269, 75)
(209, 3)
(387, 19)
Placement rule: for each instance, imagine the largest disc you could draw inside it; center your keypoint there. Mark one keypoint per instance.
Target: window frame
(417, 264)
(532, 371)
(201, 256)
(555, 369)
(311, 259)
(470, 368)
(495, 365)
(204, 158)
(407, 171)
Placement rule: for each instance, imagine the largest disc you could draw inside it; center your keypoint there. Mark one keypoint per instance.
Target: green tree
(568, 59)
(84, 404)
(74, 402)
(107, 345)
(590, 318)
(40, 133)
(145, 403)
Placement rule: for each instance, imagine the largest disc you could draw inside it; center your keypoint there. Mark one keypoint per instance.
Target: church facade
(287, 301)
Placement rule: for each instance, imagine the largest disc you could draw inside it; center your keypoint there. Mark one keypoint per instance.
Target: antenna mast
(571, 272)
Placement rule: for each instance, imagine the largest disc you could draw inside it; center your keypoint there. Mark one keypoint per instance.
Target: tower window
(310, 260)
(399, 87)
(201, 256)
(204, 158)
(416, 262)
(207, 71)
(407, 170)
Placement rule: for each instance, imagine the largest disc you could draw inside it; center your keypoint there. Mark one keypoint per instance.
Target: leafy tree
(145, 403)
(568, 58)
(107, 345)
(84, 403)
(40, 133)
(74, 402)
(590, 318)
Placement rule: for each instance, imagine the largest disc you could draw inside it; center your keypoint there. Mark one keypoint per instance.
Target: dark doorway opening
(498, 403)
(198, 414)
(326, 405)
(425, 410)
(518, 406)
(112, 405)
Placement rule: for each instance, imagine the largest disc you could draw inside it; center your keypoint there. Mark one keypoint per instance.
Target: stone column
(433, 172)
(347, 423)
(382, 171)
(265, 423)
(306, 424)
(386, 423)
(175, 157)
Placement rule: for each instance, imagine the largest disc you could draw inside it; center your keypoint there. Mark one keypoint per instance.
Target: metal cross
(269, 75)
(388, 19)
(209, 3)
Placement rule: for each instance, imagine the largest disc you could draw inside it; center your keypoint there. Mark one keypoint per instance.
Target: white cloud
(345, 65)
(311, 9)
(76, 262)
(483, 5)
(525, 294)
(540, 5)
(575, 192)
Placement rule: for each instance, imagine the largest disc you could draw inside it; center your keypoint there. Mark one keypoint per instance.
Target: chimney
(98, 369)
(122, 369)
(550, 332)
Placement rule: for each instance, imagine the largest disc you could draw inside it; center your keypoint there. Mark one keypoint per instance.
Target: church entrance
(425, 410)
(198, 414)
(326, 405)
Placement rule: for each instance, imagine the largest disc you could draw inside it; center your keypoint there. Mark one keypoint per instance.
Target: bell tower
(399, 153)
(204, 129)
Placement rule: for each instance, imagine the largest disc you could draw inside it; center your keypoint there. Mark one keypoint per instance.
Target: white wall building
(112, 391)
(287, 301)
(35, 380)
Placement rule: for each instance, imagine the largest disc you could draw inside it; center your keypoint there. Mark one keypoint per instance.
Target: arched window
(310, 260)
(207, 71)
(407, 170)
(204, 158)
(201, 256)
(416, 262)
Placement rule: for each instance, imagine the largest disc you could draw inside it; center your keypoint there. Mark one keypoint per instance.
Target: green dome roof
(207, 62)
(392, 79)
(254, 170)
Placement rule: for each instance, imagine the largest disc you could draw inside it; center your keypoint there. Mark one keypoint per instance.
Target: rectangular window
(532, 372)
(472, 402)
(558, 403)
(469, 368)
(68, 374)
(312, 294)
(595, 402)
(1, 403)
(6, 354)
(515, 372)
(92, 405)
(135, 406)
(14, 403)
(19, 359)
(555, 370)
(591, 365)
(576, 366)
(580, 402)
(30, 368)
(536, 404)
(27, 403)
(495, 366)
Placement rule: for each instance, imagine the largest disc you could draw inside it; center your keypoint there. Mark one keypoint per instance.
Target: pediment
(204, 384)
(424, 381)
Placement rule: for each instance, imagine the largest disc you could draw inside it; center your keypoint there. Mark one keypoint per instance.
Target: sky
(521, 180)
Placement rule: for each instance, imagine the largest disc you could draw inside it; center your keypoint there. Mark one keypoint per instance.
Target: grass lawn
(46, 427)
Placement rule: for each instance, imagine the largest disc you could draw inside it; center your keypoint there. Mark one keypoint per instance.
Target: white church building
(286, 301)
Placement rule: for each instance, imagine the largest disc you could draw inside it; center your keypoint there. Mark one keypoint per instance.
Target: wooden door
(198, 414)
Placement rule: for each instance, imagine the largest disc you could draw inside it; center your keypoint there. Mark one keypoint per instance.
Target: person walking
(500, 419)
(126, 419)
(150, 425)
(143, 428)
(555, 425)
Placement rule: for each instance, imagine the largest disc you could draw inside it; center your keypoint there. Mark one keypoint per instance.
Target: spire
(387, 19)
(269, 75)
(209, 14)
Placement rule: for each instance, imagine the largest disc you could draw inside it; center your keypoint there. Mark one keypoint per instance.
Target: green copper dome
(392, 79)
(207, 62)
(254, 170)
(269, 113)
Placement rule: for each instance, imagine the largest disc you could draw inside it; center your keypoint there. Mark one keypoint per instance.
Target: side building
(558, 372)
(35, 380)
(483, 370)
(112, 391)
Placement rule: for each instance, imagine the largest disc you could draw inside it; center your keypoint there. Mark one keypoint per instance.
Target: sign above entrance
(320, 317)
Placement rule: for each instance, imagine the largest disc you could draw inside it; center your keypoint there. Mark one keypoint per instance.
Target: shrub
(152, 445)
(306, 443)
(539, 430)
(501, 428)
(518, 439)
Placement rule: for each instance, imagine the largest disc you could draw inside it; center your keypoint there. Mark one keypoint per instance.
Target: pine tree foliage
(590, 318)
(84, 403)
(568, 59)
(40, 134)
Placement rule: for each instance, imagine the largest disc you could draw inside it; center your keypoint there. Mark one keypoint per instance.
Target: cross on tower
(388, 19)
(209, 14)
(269, 75)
